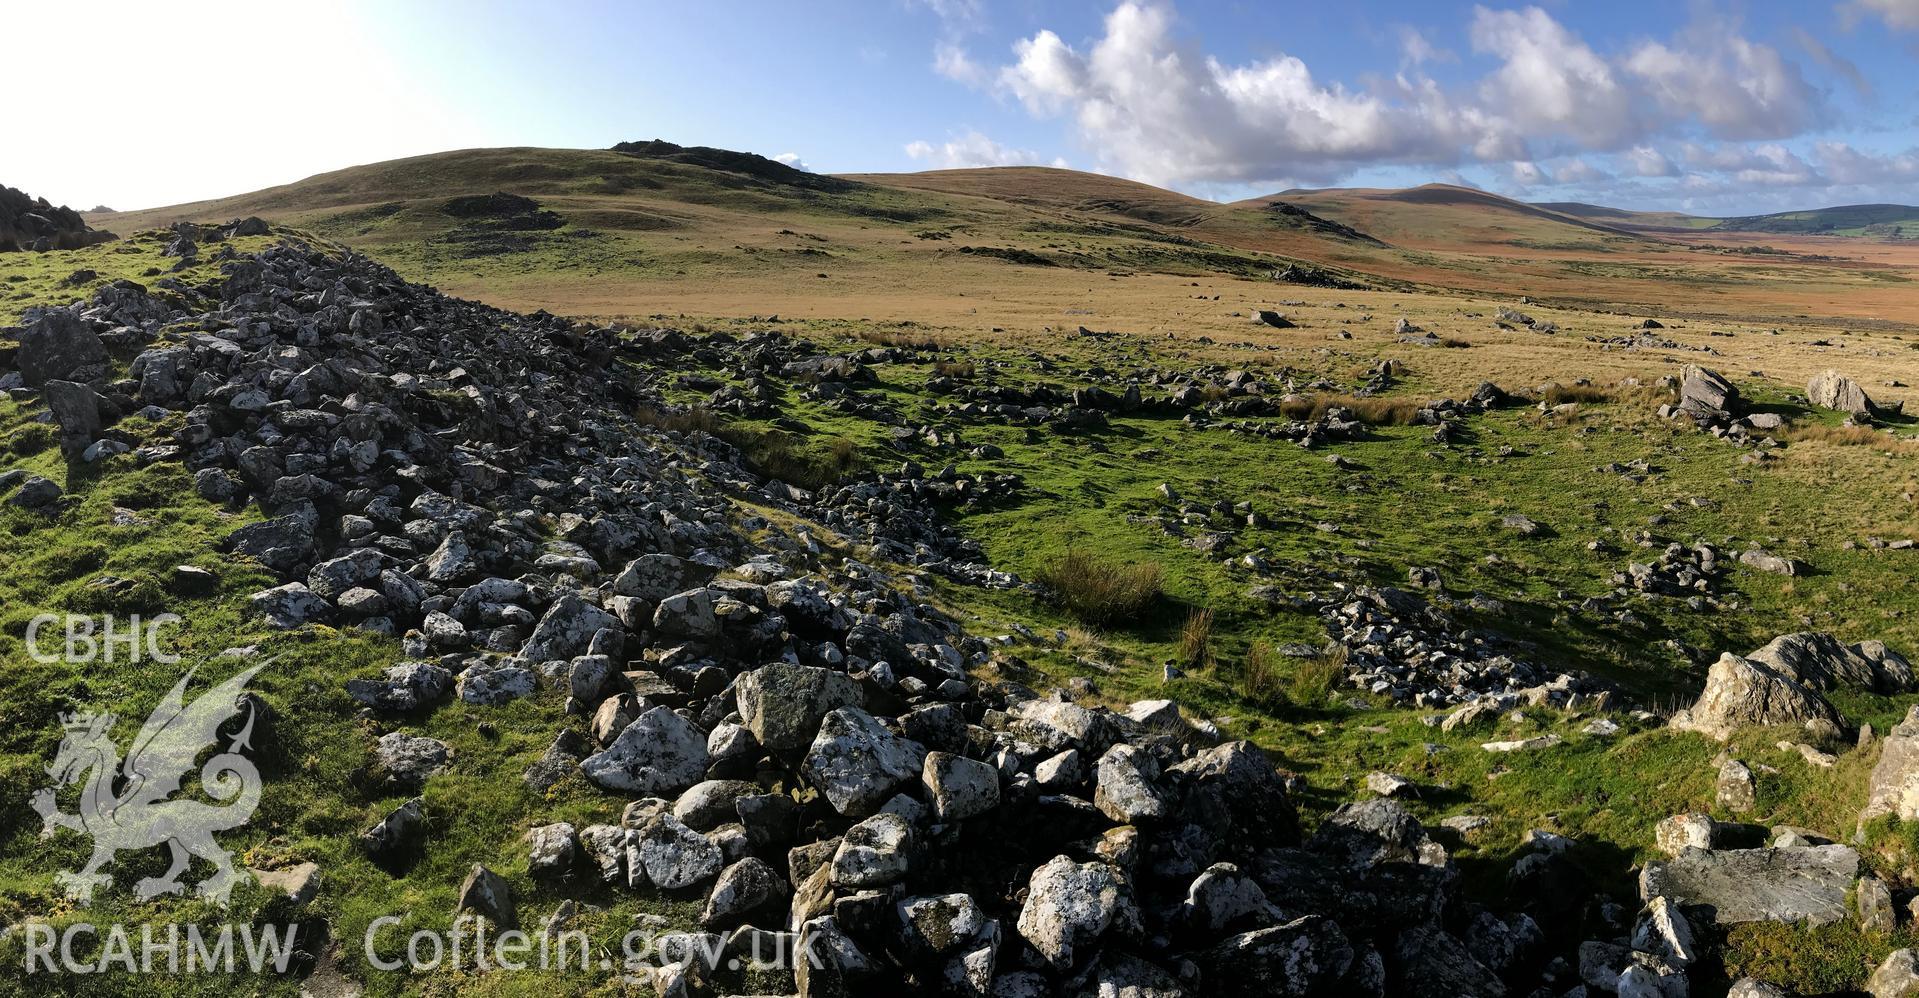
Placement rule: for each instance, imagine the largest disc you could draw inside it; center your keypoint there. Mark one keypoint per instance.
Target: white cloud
(1416, 49)
(975, 150)
(1165, 115)
(1579, 171)
(1736, 89)
(951, 60)
(1152, 108)
(1645, 161)
(793, 160)
(1846, 165)
(1903, 14)
(1767, 165)
(1526, 174)
(1550, 79)
(957, 15)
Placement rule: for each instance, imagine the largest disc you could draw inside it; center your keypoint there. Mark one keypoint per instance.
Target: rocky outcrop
(30, 223)
(1822, 662)
(1742, 693)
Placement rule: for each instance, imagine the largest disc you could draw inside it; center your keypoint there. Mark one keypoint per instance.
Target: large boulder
(857, 763)
(76, 410)
(1820, 661)
(566, 631)
(1307, 956)
(1069, 906)
(1790, 884)
(1894, 787)
(783, 704)
(673, 856)
(1831, 390)
(1897, 976)
(58, 346)
(1743, 693)
(1704, 392)
(659, 753)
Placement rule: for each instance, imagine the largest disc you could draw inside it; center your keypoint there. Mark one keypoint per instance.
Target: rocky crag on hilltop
(30, 223)
(799, 741)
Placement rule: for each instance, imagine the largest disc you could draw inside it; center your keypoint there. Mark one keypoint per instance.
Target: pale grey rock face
(672, 855)
(958, 787)
(1803, 884)
(1831, 390)
(1894, 786)
(1743, 693)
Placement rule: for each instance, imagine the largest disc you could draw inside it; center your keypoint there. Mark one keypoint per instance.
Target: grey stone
(857, 763)
(659, 753)
(1805, 884)
(1070, 906)
(1742, 693)
(783, 704)
(487, 893)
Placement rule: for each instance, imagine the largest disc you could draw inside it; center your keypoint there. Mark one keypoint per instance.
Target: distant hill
(1053, 189)
(1886, 221)
(1846, 220)
(1438, 216)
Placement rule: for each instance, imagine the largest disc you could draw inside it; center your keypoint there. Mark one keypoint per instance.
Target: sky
(1715, 107)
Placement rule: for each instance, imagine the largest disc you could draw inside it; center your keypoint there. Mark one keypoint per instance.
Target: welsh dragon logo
(126, 806)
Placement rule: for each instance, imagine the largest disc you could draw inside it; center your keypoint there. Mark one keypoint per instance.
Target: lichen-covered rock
(1742, 693)
(1071, 905)
(659, 753)
(782, 705)
(857, 763)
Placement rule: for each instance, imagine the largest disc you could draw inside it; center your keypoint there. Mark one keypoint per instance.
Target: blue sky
(1710, 107)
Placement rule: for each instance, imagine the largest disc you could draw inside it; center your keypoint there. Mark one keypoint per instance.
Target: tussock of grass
(1314, 679)
(906, 339)
(693, 419)
(962, 369)
(1558, 394)
(1259, 678)
(1847, 436)
(1196, 638)
(1371, 411)
(1098, 591)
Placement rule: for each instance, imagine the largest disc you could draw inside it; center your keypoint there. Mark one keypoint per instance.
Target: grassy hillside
(1879, 221)
(1882, 220)
(615, 235)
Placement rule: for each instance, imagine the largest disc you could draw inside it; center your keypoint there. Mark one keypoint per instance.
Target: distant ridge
(1882, 220)
(751, 164)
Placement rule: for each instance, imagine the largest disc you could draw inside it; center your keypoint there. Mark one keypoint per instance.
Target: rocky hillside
(571, 639)
(30, 223)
